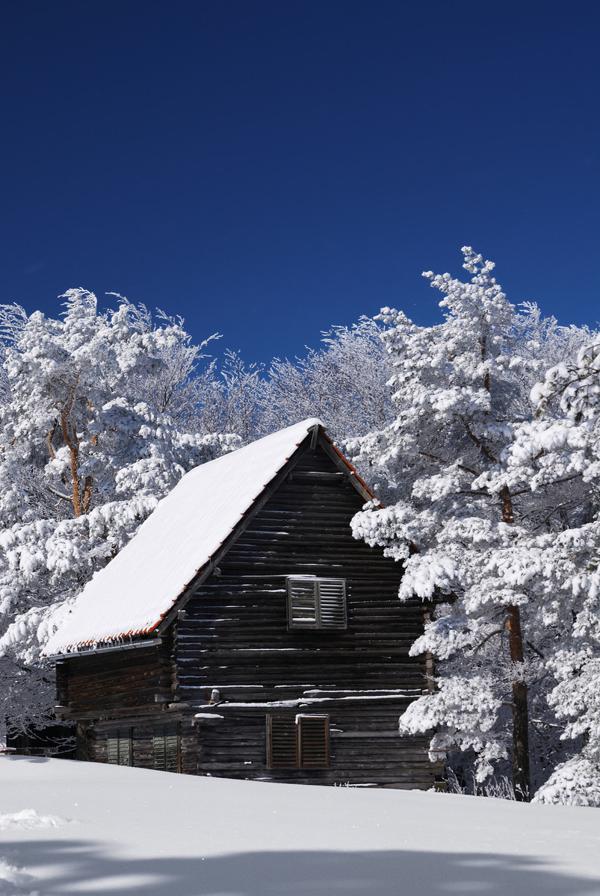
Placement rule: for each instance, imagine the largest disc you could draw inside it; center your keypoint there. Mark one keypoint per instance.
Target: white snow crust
(139, 586)
(28, 820)
(133, 831)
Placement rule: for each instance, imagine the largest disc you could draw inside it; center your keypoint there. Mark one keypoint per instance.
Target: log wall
(115, 682)
(232, 636)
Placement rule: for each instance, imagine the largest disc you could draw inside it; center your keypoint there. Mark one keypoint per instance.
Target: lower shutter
(119, 747)
(313, 741)
(125, 747)
(165, 749)
(300, 741)
(158, 751)
(282, 742)
(112, 750)
(172, 752)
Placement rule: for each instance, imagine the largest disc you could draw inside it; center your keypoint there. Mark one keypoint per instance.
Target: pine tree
(460, 389)
(92, 435)
(557, 456)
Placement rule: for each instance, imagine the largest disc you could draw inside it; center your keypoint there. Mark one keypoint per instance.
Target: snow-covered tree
(460, 389)
(344, 383)
(232, 398)
(557, 456)
(93, 432)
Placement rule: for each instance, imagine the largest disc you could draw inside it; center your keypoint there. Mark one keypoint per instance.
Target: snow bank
(134, 592)
(28, 820)
(136, 832)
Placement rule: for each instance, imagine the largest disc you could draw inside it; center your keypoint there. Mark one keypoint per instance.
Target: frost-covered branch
(86, 421)
(461, 393)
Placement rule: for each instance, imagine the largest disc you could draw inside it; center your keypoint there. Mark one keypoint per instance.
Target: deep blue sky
(269, 168)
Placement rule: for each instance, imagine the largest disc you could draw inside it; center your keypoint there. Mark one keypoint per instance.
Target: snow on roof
(134, 592)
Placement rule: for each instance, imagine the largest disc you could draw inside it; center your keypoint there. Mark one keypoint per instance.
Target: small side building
(243, 632)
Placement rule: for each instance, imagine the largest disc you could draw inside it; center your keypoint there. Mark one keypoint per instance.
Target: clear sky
(267, 168)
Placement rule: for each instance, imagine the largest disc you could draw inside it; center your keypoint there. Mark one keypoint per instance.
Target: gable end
(343, 468)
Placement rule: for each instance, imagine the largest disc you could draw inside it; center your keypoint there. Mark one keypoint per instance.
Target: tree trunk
(520, 709)
(81, 503)
(73, 463)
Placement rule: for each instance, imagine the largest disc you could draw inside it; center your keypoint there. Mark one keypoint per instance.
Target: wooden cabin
(243, 632)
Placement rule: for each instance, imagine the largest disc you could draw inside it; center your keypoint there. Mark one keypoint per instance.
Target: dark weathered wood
(230, 637)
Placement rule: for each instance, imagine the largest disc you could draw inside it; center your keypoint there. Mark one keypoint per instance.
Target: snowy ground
(79, 828)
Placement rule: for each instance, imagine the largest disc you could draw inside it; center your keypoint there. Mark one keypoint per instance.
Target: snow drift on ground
(91, 828)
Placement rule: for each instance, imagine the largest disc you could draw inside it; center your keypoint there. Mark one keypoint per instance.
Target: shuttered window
(282, 742)
(313, 741)
(316, 603)
(300, 741)
(119, 747)
(166, 748)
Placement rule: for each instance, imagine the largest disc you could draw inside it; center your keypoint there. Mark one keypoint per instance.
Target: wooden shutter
(165, 748)
(302, 602)
(313, 741)
(112, 750)
(158, 751)
(172, 750)
(119, 747)
(332, 603)
(125, 747)
(316, 603)
(282, 741)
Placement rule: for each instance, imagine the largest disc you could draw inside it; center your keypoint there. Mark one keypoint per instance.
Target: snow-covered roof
(134, 592)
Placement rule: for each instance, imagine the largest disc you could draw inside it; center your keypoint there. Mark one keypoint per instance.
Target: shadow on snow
(78, 868)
